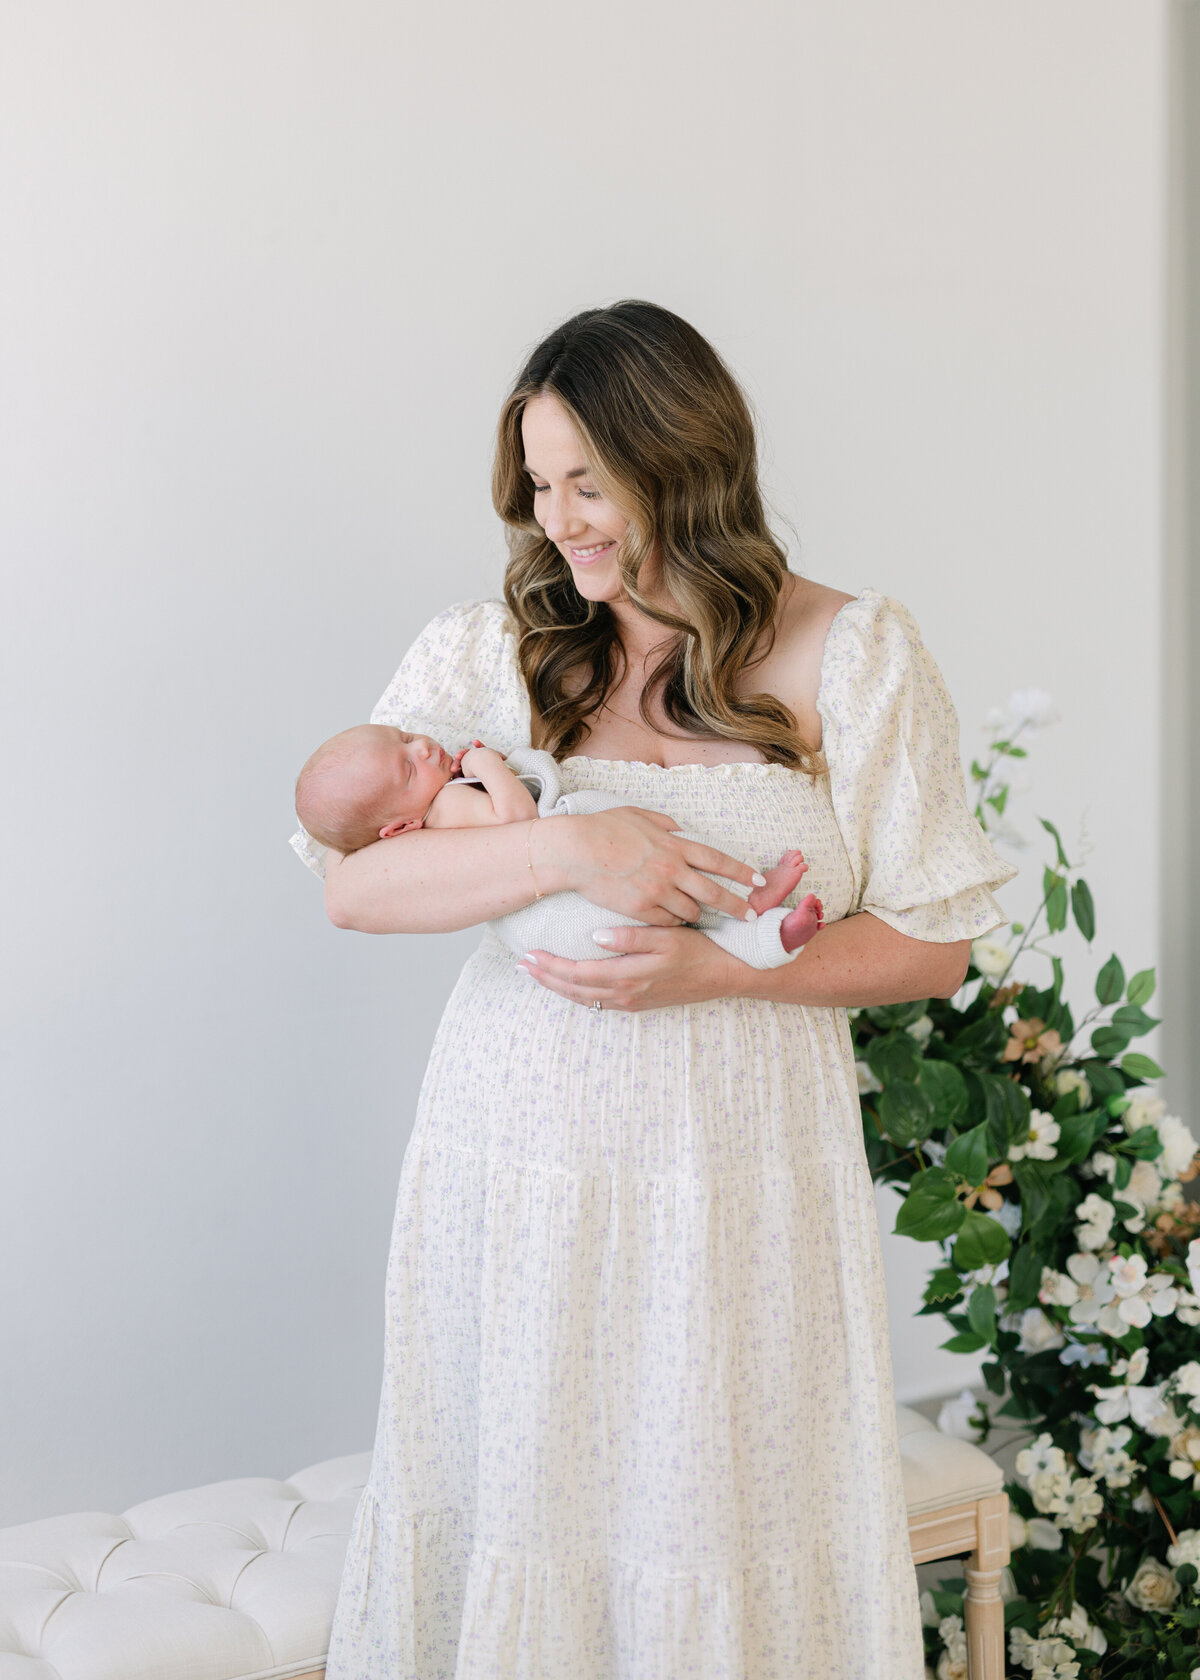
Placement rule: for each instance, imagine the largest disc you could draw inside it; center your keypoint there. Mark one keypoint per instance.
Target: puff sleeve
(457, 680)
(920, 859)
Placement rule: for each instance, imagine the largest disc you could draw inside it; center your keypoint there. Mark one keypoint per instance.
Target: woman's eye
(592, 495)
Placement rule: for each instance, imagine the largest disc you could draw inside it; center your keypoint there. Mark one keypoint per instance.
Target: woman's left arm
(853, 962)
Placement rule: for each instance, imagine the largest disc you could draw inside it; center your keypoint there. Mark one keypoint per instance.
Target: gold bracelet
(528, 858)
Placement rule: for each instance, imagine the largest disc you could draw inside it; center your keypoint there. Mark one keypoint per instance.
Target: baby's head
(369, 783)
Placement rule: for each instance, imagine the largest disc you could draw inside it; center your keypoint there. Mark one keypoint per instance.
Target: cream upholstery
(957, 1504)
(940, 1469)
(238, 1580)
(233, 1581)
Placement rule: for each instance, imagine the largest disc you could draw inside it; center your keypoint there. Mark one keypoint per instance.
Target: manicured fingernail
(521, 969)
(603, 937)
(759, 880)
(530, 958)
(751, 916)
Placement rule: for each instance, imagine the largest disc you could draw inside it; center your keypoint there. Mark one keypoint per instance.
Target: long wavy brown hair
(670, 440)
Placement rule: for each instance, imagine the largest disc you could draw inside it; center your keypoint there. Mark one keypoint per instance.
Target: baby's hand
(456, 760)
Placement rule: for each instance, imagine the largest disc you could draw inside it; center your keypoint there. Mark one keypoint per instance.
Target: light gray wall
(267, 269)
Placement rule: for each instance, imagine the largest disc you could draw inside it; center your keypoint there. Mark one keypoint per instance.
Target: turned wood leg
(984, 1608)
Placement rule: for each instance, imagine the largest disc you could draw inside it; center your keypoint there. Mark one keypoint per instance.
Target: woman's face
(566, 502)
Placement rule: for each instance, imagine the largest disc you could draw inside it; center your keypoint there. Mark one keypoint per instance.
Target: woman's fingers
(720, 863)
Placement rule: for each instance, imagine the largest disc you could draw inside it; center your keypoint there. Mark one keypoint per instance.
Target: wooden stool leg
(983, 1610)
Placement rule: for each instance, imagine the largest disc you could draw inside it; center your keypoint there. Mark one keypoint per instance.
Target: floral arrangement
(1028, 1148)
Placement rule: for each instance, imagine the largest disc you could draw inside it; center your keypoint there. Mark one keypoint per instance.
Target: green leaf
(905, 1113)
(1140, 1067)
(993, 1376)
(1008, 1109)
(1033, 1181)
(1085, 910)
(1076, 1136)
(1133, 1019)
(999, 800)
(977, 771)
(1105, 1081)
(981, 1242)
(1024, 1277)
(1141, 988)
(1062, 856)
(894, 1058)
(1056, 901)
(946, 1089)
(1109, 1041)
(964, 1342)
(1110, 982)
(1145, 1144)
(968, 1155)
(981, 1312)
(944, 1285)
(931, 1210)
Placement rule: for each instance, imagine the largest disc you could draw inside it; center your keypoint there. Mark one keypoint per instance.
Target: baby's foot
(799, 925)
(780, 882)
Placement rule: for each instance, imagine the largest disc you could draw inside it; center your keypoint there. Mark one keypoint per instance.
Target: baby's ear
(395, 828)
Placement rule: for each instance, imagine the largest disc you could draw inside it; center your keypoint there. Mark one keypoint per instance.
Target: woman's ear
(395, 828)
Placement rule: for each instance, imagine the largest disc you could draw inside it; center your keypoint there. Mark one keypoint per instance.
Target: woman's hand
(629, 860)
(657, 967)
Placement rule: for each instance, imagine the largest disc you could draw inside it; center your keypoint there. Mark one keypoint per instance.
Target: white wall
(267, 270)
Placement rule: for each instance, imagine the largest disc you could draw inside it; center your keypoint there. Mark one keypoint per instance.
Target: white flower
(1029, 709)
(935, 1151)
(1095, 1287)
(1077, 1627)
(951, 1667)
(1103, 1451)
(1143, 1110)
(920, 1029)
(1048, 1488)
(1187, 1307)
(952, 1664)
(1096, 1216)
(867, 1081)
(929, 1615)
(1039, 1457)
(955, 1417)
(1083, 1353)
(1020, 1647)
(1193, 1265)
(990, 957)
(1153, 1587)
(1186, 1548)
(1179, 1146)
(1103, 1165)
(1039, 1145)
(1128, 1275)
(1057, 1290)
(1185, 1457)
(1070, 1079)
(1079, 1505)
(1044, 1536)
(1187, 1380)
(1038, 1333)
(1129, 1399)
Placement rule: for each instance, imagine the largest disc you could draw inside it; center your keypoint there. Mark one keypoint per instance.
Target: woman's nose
(561, 522)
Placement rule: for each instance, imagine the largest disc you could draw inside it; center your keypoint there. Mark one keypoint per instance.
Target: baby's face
(412, 771)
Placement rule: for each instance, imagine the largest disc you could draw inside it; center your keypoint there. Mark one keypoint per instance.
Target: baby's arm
(511, 799)
(502, 798)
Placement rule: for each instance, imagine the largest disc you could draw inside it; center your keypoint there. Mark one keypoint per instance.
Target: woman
(637, 1414)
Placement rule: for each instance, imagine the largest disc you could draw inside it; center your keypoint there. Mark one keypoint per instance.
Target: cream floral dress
(637, 1413)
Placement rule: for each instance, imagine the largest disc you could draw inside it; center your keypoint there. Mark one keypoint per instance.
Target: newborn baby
(374, 781)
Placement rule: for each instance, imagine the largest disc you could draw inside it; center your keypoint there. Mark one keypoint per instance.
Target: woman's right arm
(440, 880)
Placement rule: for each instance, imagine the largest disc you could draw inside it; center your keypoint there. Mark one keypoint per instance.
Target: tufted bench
(233, 1581)
(957, 1503)
(238, 1580)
